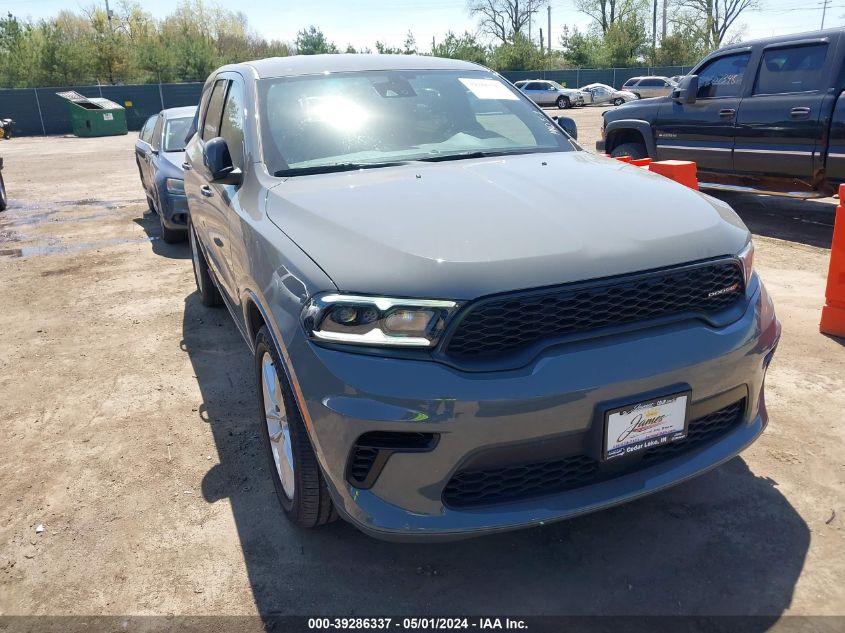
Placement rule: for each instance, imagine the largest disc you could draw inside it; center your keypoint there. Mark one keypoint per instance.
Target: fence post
(614, 78)
(160, 95)
(40, 115)
(577, 77)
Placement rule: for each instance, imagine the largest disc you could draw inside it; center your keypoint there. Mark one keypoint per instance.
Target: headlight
(746, 258)
(175, 185)
(376, 320)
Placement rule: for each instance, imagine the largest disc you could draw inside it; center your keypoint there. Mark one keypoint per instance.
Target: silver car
(645, 87)
(602, 93)
(439, 350)
(550, 93)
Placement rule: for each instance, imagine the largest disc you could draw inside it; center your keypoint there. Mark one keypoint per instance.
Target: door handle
(206, 191)
(186, 166)
(727, 113)
(799, 113)
(218, 241)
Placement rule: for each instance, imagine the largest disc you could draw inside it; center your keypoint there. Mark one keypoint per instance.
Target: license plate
(638, 427)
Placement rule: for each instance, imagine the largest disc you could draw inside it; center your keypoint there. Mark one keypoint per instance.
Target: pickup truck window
(794, 69)
(723, 76)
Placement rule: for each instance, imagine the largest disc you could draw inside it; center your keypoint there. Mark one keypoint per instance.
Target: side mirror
(567, 125)
(218, 161)
(687, 90)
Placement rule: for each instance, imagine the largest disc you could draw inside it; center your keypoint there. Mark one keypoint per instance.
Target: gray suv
(440, 352)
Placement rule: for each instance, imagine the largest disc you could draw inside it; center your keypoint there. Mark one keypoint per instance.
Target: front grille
(509, 323)
(511, 483)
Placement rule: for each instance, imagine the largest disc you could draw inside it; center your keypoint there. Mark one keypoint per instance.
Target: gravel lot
(129, 429)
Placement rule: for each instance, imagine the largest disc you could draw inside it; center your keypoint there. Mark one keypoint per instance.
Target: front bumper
(559, 395)
(174, 210)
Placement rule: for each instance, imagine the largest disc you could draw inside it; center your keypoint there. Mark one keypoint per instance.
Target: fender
(643, 127)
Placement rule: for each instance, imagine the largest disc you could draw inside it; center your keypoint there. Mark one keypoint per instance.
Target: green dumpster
(94, 116)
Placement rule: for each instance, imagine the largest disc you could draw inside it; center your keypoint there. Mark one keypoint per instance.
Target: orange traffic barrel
(682, 171)
(833, 313)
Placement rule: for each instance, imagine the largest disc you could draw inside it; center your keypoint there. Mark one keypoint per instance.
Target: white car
(550, 93)
(602, 93)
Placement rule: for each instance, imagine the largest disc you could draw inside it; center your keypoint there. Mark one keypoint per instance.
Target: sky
(362, 22)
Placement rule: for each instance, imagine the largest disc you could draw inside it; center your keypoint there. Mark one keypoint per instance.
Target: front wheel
(563, 103)
(618, 101)
(297, 477)
(634, 150)
(170, 236)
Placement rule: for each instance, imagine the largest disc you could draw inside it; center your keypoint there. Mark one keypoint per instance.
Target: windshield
(175, 131)
(379, 118)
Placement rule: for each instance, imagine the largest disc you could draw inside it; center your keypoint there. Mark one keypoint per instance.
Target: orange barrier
(641, 162)
(624, 159)
(833, 313)
(682, 171)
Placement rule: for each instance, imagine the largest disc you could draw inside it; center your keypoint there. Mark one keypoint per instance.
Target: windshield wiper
(465, 155)
(328, 169)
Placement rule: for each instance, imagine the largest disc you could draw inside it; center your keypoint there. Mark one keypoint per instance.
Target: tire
(637, 95)
(151, 205)
(297, 478)
(3, 200)
(207, 289)
(170, 236)
(618, 101)
(634, 150)
(563, 103)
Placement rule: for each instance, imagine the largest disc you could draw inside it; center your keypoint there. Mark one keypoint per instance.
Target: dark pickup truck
(765, 116)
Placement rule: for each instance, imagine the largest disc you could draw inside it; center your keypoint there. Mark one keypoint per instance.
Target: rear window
(794, 69)
(630, 82)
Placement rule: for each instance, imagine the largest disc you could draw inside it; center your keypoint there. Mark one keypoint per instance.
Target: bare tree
(718, 16)
(502, 19)
(606, 12)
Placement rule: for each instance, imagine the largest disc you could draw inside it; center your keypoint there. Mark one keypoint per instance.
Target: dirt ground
(129, 430)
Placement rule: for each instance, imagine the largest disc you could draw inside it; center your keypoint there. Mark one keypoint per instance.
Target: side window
(211, 124)
(722, 77)
(630, 83)
(795, 69)
(155, 141)
(232, 125)
(147, 131)
(532, 85)
(651, 83)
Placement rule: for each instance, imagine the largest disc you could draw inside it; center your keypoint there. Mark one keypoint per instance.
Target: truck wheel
(563, 103)
(209, 294)
(2, 194)
(297, 478)
(634, 150)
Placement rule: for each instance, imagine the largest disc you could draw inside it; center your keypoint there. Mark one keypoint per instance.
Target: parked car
(646, 87)
(3, 200)
(551, 93)
(764, 116)
(159, 154)
(439, 351)
(602, 93)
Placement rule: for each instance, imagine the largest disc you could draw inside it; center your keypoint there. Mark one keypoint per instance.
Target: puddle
(63, 248)
(23, 212)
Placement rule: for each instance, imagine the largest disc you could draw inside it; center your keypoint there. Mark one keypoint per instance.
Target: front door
(704, 131)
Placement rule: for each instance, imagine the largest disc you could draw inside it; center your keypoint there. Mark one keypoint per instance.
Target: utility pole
(654, 36)
(549, 32)
(541, 40)
(824, 10)
(109, 14)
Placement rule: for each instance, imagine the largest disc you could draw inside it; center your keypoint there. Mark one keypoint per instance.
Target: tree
(607, 12)
(466, 47)
(410, 44)
(312, 41)
(504, 19)
(518, 54)
(718, 16)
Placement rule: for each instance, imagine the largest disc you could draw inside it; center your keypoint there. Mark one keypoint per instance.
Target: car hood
(173, 158)
(463, 229)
